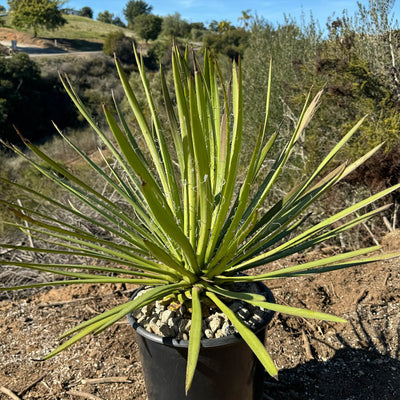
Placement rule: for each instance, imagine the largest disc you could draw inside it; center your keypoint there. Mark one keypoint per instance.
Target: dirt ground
(8, 34)
(357, 360)
(28, 44)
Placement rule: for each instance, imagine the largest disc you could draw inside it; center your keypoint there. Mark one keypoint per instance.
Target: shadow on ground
(40, 50)
(78, 44)
(352, 374)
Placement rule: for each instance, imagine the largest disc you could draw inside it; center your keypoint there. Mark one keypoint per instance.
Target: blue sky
(208, 10)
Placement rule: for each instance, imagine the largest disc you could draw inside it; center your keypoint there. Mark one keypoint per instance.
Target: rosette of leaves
(184, 223)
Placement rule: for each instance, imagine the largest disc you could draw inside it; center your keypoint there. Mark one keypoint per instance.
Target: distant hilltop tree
(174, 26)
(86, 12)
(135, 8)
(148, 27)
(105, 17)
(36, 14)
(118, 22)
(108, 18)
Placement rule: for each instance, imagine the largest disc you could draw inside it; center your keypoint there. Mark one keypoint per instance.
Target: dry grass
(77, 28)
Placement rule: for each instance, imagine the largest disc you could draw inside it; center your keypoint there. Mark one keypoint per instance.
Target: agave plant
(186, 223)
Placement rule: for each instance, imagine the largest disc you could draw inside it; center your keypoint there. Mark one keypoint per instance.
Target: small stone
(219, 334)
(154, 328)
(180, 312)
(227, 329)
(146, 310)
(188, 325)
(215, 324)
(209, 334)
(159, 306)
(166, 315)
(181, 326)
(153, 319)
(172, 322)
(166, 331)
(159, 322)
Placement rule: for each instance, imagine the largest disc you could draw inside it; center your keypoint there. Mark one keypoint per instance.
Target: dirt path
(38, 47)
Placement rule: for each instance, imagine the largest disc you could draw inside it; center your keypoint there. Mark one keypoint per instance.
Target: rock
(153, 319)
(181, 326)
(184, 325)
(219, 334)
(181, 311)
(166, 315)
(159, 307)
(209, 334)
(214, 323)
(188, 325)
(227, 329)
(158, 319)
(154, 328)
(141, 318)
(147, 310)
(174, 322)
(166, 331)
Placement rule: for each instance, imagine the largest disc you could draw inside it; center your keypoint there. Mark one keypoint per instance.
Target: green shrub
(148, 27)
(120, 45)
(231, 43)
(86, 12)
(29, 101)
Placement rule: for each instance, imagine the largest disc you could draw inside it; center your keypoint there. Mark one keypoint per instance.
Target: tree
(174, 26)
(36, 14)
(86, 12)
(30, 101)
(225, 26)
(2, 11)
(118, 22)
(148, 26)
(108, 18)
(135, 8)
(105, 17)
(213, 26)
(245, 18)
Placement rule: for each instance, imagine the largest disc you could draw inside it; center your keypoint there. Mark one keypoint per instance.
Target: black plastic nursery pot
(227, 369)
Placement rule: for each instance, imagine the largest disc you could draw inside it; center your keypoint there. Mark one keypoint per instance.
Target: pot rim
(214, 342)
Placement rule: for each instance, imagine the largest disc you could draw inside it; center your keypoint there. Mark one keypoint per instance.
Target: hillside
(79, 33)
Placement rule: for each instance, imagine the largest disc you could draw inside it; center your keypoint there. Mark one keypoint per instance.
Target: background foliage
(355, 58)
(40, 13)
